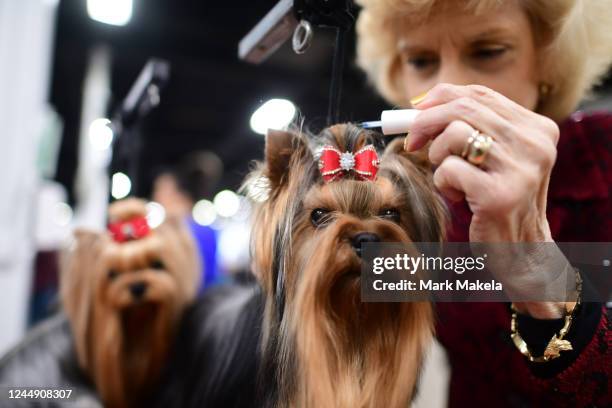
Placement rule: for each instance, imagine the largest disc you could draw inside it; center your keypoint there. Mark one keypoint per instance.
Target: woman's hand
(507, 193)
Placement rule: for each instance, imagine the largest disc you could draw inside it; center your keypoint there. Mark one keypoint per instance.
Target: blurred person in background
(509, 74)
(178, 189)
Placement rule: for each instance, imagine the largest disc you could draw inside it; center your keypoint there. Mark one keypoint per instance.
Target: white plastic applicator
(393, 122)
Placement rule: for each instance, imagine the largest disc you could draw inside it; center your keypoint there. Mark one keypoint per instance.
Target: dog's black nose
(138, 289)
(362, 238)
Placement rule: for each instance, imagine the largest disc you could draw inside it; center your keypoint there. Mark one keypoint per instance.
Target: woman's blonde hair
(574, 39)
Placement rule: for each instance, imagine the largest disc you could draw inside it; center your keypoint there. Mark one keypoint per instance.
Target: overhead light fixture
(100, 134)
(156, 214)
(227, 203)
(204, 212)
(274, 114)
(120, 186)
(113, 12)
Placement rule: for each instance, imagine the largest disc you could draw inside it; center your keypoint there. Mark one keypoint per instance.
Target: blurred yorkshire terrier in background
(317, 201)
(124, 292)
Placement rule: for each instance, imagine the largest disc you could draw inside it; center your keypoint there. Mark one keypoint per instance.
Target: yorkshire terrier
(317, 201)
(124, 291)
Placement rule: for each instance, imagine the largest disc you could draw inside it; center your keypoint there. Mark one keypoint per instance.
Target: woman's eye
(390, 214)
(421, 62)
(112, 274)
(319, 217)
(489, 53)
(157, 264)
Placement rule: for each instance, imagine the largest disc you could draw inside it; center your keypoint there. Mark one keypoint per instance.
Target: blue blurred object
(206, 240)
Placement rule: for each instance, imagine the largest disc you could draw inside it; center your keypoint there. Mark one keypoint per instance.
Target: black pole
(133, 156)
(144, 96)
(335, 89)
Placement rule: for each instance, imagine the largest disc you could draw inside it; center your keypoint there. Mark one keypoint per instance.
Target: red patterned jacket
(487, 370)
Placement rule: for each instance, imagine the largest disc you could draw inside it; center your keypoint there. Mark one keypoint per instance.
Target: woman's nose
(453, 72)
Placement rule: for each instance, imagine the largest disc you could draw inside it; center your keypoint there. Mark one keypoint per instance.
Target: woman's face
(495, 49)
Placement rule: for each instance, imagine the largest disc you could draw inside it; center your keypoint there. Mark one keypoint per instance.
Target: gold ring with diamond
(476, 148)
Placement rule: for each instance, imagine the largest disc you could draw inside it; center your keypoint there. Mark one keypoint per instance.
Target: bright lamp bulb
(120, 186)
(113, 12)
(204, 212)
(101, 134)
(227, 203)
(274, 114)
(156, 214)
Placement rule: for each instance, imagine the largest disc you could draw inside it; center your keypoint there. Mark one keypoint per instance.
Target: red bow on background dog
(124, 291)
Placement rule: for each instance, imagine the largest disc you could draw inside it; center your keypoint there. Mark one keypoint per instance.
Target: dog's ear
(285, 152)
(419, 158)
(432, 219)
(77, 277)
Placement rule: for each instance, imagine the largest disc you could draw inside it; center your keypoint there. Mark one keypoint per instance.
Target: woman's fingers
(432, 121)
(451, 141)
(454, 141)
(444, 93)
(456, 178)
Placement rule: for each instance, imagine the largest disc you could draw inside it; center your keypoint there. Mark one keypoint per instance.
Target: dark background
(211, 95)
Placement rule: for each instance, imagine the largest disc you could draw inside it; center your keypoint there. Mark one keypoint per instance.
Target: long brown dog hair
(325, 347)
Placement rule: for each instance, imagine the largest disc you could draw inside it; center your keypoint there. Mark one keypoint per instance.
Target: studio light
(120, 186)
(204, 212)
(100, 134)
(227, 203)
(274, 114)
(156, 214)
(113, 12)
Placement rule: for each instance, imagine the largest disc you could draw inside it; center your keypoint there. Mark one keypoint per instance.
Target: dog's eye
(112, 274)
(319, 216)
(390, 214)
(157, 264)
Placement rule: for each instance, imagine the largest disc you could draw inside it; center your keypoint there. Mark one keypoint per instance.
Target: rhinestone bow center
(347, 161)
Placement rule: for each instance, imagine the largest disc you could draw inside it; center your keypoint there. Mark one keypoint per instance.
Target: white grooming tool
(393, 122)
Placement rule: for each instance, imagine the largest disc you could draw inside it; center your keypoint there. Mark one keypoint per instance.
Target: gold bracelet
(557, 343)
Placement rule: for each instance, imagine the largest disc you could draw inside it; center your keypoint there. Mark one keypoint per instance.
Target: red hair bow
(135, 228)
(334, 164)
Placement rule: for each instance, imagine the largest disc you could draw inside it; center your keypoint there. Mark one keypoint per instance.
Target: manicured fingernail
(418, 99)
(407, 146)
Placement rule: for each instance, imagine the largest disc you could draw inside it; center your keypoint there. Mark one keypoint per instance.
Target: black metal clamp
(144, 96)
(295, 18)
